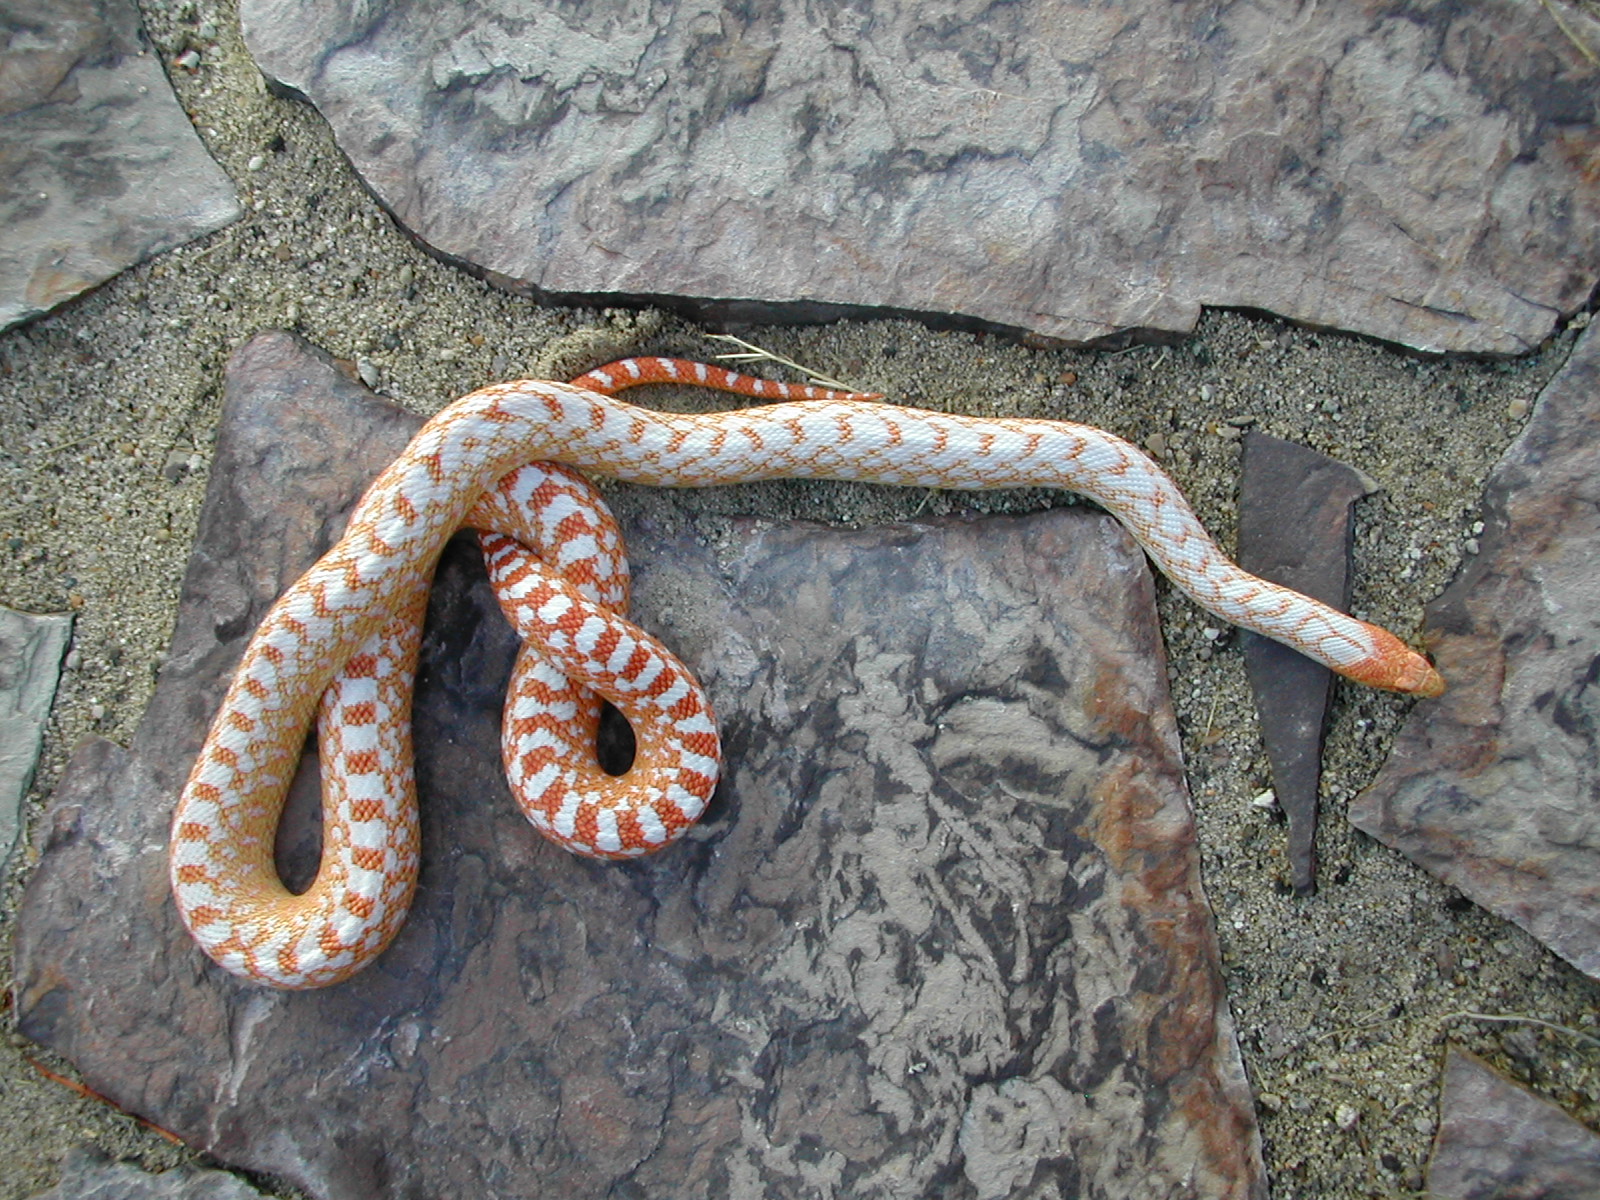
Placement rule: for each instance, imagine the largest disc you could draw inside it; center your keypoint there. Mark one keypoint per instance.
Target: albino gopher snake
(347, 633)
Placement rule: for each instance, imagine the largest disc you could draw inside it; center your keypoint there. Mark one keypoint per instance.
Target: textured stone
(99, 166)
(1294, 528)
(1423, 174)
(940, 932)
(1498, 1141)
(30, 665)
(1493, 787)
(89, 1176)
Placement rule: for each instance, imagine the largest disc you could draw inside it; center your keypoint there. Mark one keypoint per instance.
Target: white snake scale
(342, 641)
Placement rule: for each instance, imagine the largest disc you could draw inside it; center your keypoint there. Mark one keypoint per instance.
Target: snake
(340, 646)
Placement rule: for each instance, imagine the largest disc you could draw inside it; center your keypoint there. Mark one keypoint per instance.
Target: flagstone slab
(1421, 173)
(1295, 528)
(1499, 1141)
(87, 1175)
(940, 934)
(99, 165)
(31, 647)
(1494, 787)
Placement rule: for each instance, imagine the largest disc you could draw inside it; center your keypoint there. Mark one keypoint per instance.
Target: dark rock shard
(88, 1175)
(1073, 171)
(99, 166)
(1492, 788)
(947, 894)
(1294, 529)
(1499, 1141)
(30, 665)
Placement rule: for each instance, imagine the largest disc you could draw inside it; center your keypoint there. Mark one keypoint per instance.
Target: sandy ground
(1344, 1001)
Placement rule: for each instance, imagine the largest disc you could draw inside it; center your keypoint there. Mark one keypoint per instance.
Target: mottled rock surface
(30, 665)
(1498, 1141)
(1074, 170)
(1493, 787)
(1294, 528)
(99, 166)
(941, 933)
(88, 1176)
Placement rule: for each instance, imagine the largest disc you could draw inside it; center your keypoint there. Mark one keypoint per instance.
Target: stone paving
(99, 167)
(1426, 179)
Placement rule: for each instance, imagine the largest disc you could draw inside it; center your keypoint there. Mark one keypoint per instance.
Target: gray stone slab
(1069, 169)
(99, 166)
(1294, 528)
(940, 934)
(1499, 1141)
(87, 1175)
(1495, 788)
(30, 666)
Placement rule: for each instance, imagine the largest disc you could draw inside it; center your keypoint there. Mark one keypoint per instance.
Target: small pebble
(1266, 800)
(1270, 1101)
(1156, 444)
(188, 61)
(176, 466)
(1346, 1117)
(257, 161)
(369, 373)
